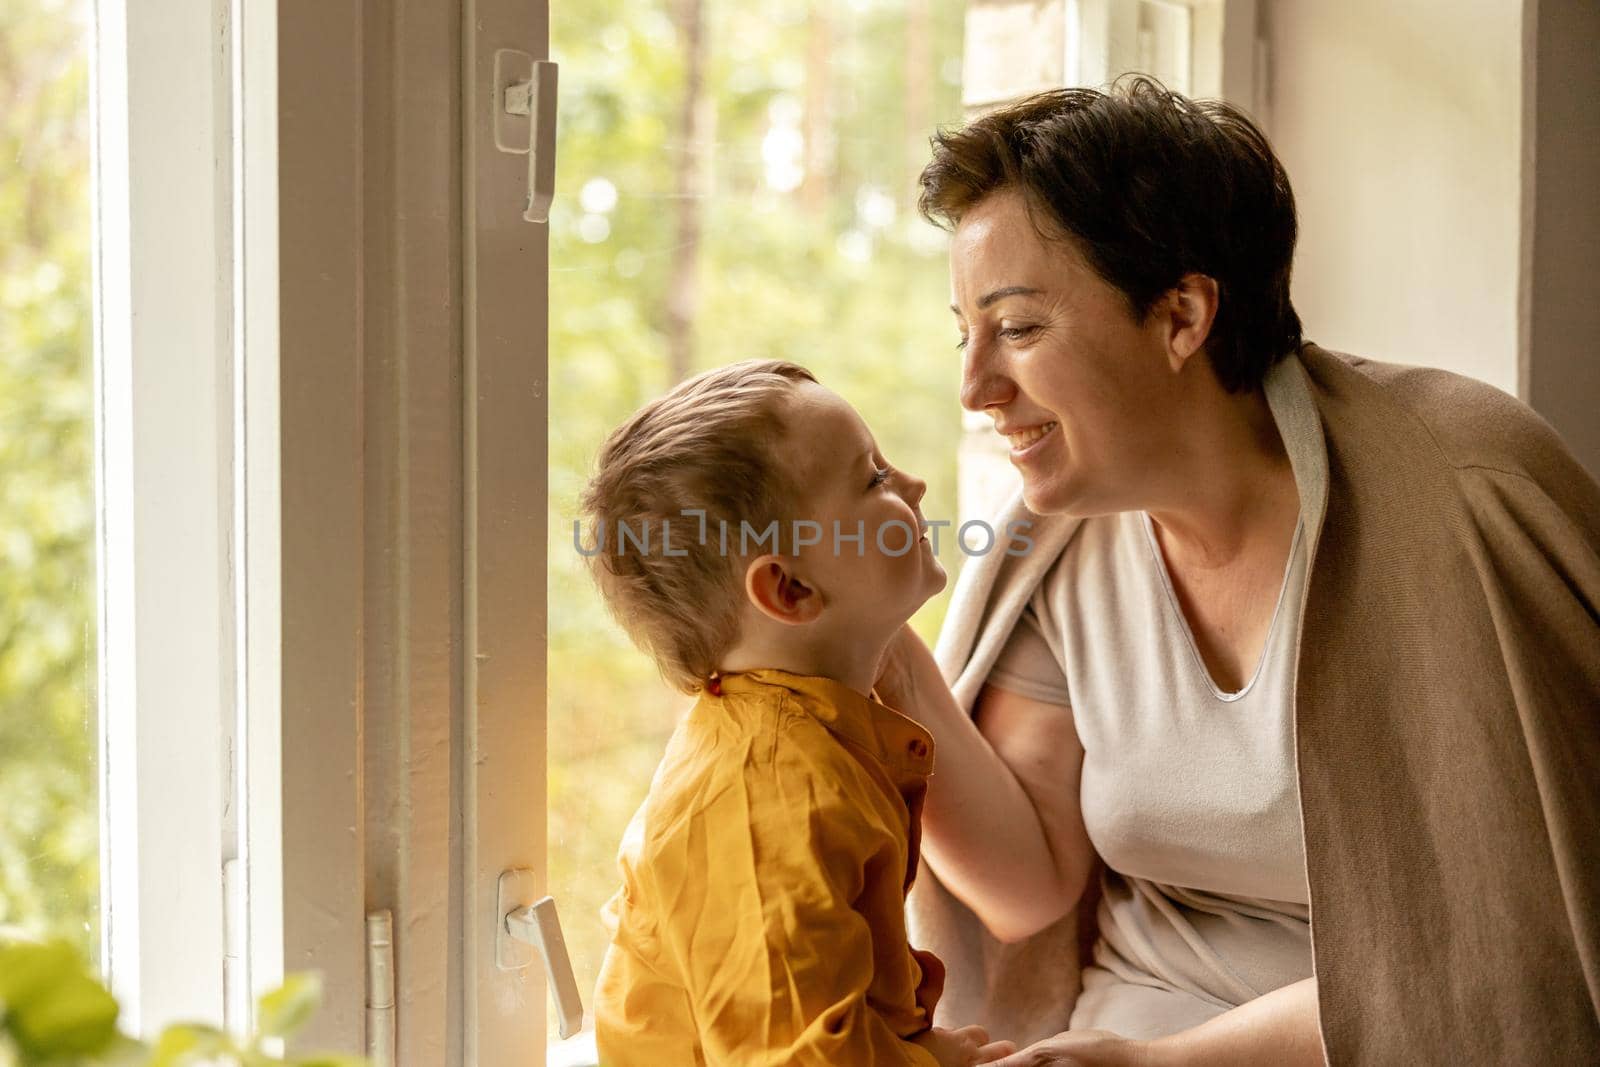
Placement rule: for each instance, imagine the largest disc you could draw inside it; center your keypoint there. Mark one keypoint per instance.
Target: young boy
(749, 535)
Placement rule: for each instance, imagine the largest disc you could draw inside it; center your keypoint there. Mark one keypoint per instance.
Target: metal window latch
(527, 930)
(525, 123)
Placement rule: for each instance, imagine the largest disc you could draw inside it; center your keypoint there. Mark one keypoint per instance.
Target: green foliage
(183, 1044)
(850, 282)
(53, 1006)
(48, 819)
(286, 1009)
(55, 1013)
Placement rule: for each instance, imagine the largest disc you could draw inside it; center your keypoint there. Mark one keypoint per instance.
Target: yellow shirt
(761, 918)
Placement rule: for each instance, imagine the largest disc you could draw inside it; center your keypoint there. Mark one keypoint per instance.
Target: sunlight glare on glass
(629, 263)
(598, 196)
(781, 151)
(875, 207)
(594, 228)
(855, 246)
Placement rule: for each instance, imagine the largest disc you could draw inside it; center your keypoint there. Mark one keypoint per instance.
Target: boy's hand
(963, 1047)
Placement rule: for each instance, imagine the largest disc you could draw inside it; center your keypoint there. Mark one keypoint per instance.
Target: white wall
(1399, 125)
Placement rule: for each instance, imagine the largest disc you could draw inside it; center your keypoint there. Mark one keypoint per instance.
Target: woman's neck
(1230, 485)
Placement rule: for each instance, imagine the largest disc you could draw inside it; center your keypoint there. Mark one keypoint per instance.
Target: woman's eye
(879, 475)
(1016, 333)
(961, 344)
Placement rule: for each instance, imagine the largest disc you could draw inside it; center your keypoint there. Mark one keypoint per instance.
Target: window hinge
(380, 989)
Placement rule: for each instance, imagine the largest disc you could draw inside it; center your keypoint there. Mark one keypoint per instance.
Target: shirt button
(918, 747)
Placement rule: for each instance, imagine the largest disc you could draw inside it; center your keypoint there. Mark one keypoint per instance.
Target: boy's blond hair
(710, 444)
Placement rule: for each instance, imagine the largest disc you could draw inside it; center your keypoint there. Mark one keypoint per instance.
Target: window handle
(525, 123)
(529, 929)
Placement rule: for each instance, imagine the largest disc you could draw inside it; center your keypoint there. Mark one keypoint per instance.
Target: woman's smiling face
(1080, 389)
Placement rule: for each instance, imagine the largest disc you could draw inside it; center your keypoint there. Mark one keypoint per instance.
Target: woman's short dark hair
(1150, 186)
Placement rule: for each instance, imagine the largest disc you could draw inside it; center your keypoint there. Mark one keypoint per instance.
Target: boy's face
(868, 587)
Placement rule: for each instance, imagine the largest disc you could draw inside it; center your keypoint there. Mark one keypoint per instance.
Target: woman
(1302, 643)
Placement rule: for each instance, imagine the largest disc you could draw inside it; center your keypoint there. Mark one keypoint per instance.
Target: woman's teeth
(1023, 438)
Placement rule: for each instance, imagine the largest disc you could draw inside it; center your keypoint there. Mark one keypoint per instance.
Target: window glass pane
(737, 179)
(49, 835)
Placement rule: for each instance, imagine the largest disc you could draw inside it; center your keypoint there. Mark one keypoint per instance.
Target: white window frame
(320, 325)
(1102, 40)
(162, 287)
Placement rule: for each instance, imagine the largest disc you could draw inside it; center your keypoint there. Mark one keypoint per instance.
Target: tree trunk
(919, 89)
(683, 286)
(817, 121)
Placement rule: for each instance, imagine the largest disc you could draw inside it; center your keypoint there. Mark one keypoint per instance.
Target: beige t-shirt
(1189, 794)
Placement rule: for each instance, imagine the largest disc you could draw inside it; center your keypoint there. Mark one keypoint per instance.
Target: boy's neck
(856, 667)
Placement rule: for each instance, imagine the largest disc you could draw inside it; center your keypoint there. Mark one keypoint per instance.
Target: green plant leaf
(55, 1006)
(186, 1043)
(123, 1051)
(286, 1009)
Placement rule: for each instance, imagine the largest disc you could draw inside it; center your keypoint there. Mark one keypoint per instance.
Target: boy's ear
(777, 592)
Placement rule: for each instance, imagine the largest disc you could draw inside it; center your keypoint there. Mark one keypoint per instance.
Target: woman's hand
(1277, 1029)
(1002, 827)
(964, 1047)
(1080, 1048)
